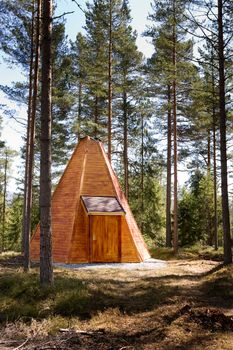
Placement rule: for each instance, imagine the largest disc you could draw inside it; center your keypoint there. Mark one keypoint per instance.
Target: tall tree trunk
(214, 155)
(215, 182)
(4, 201)
(125, 152)
(25, 200)
(168, 189)
(32, 141)
(110, 84)
(46, 267)
(208, 153)
(209, 226)
(223, 152)
(174, 83)
(142, 175)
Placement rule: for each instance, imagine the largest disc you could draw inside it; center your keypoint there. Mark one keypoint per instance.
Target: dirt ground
(186, 305)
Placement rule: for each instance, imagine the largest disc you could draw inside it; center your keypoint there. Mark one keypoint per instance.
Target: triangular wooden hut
(91, 219)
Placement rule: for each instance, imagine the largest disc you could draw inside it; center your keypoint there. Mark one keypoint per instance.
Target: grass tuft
(194, 252)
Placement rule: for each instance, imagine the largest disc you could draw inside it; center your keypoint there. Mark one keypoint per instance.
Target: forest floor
(188, 304)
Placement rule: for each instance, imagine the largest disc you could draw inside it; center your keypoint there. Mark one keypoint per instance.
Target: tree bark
(214, 116)
(142, 175)
(208, 214)
(46, 267)
(215, 183)
(125, 152)
(96, 115)
(174, 83)
(32, 141)
(4, 201)
(223, 152)
(25, 200)
(110, 85)
(208, 153)
(168, 189)
(79, 108)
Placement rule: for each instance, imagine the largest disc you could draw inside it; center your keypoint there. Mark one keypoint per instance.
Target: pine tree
(172, 74)
(129, 87)
(216, 29)
(6, 158)
(46, 268)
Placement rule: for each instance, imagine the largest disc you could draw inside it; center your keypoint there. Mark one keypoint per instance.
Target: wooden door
(105, 238)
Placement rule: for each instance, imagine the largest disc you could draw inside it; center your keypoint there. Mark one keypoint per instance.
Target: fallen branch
(68, 330)
(22, 345)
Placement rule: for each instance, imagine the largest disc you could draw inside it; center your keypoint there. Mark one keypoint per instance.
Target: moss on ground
(194, 252)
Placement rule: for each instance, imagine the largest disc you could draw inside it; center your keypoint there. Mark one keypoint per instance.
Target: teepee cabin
(91, 219)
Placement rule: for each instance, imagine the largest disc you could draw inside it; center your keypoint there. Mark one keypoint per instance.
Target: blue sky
(139, 12)
(74, 23)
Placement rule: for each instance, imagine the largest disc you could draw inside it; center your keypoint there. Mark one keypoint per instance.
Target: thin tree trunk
(32, 141)
(125, 152)
(96, 115)
(110, 85)
(175, 231)
(142, 175)
(223, 152)
(208, 153)
(215, 183)
(79, 107)
(4, 201)
(209, 227)
(25, 200)
(214, 154)
(46, 267)
(168, 190)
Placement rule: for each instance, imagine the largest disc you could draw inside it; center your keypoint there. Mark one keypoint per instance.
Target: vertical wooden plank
(119, 238)
(105, 238)
(91, 238)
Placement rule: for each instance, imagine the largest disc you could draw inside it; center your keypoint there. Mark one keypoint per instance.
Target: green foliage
(14, 227)
(7, 156)
(148, 206)
(196, 211)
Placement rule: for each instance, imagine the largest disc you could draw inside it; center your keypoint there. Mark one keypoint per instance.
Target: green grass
(22, 298)
(118, 301)
(194, 252)
(220, 285)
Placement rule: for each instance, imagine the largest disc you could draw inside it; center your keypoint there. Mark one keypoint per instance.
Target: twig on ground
(22, 345)
(67, 330)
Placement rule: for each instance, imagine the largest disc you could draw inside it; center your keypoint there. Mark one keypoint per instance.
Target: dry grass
(125, 309)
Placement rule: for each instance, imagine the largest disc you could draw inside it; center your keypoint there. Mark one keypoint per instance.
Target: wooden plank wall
(130, 230)
(64, 202)
(79, 247)
(96, 182)
(87, 173)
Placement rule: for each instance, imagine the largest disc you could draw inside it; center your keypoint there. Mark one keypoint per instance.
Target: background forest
(158, 117)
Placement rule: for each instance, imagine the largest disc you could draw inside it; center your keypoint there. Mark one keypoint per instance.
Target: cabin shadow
(110, 294)
(77, 297)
